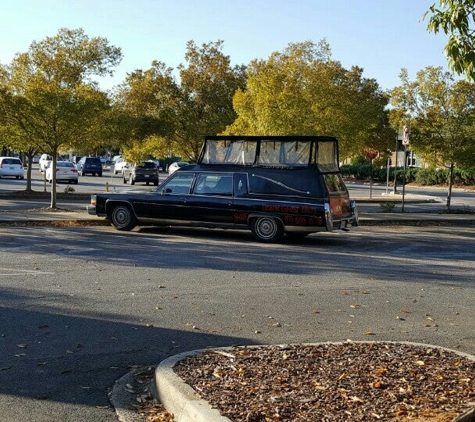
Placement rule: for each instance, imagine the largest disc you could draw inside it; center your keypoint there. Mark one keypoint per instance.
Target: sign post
(371, 154)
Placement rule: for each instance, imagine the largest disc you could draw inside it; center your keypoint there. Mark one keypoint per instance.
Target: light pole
(395, 163)
(405, 143)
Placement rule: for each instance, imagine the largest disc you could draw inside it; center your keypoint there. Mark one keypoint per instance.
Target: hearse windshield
(274, 152)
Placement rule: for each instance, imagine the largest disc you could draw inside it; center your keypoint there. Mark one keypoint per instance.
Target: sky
(380, 36)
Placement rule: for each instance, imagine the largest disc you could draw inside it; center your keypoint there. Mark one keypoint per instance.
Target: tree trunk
(451, 183)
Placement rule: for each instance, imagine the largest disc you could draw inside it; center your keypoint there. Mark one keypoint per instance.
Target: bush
(421, 176)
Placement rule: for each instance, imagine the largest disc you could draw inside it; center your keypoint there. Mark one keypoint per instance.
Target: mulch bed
(334, 382)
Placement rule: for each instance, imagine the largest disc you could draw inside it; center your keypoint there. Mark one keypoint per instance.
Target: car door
(212, 199)
(170, 201)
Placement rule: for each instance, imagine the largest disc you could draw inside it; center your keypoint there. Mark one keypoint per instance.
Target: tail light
(93, 200)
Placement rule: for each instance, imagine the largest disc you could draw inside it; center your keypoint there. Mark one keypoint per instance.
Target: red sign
(371, 154)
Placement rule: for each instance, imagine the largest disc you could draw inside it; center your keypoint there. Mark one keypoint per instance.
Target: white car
(45, 161)
(173, 167)
(65, 171)
(119, 165)
(11, 167)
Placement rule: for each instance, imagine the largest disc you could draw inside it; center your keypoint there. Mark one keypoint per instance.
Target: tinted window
(214, 184)
(93, 160)
(64, 164)
(11, 161)
(179, 184)
(148, 165)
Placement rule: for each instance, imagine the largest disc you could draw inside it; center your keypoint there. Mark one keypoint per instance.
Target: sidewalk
(417, 209)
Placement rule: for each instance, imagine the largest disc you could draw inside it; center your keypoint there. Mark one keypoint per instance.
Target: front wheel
(267, 229)
(131, 180)
(122, 217)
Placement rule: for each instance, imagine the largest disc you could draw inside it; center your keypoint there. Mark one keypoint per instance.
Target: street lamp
(395, 163)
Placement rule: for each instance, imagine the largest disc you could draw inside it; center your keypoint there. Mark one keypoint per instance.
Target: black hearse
(271, 185)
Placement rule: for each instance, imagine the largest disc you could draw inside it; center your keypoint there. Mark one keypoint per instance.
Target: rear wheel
(267, 229)
(122, 217)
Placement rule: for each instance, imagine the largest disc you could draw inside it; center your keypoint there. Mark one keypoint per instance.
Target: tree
(441, 115)
(48, 97)
(173, 116)
(147, 104)
(302, 91)
(456, 18)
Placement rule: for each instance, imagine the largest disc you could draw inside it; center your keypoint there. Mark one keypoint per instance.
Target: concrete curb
(181, 400)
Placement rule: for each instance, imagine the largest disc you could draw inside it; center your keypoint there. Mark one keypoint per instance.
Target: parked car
(65, 171)
(89, 165)
(146, 171)
(11, 167)
(45, 161)
(273, 186)
(119, 165)
(173, 167)
(36, 159)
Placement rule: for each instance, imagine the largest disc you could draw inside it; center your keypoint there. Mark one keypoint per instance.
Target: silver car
(11, 167)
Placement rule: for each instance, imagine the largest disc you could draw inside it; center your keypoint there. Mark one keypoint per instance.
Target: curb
(179, 398)
(183, 402)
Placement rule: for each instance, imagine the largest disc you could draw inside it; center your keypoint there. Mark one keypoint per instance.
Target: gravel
(334, 382)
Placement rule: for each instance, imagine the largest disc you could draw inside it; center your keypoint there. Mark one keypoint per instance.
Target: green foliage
(440, 114)
(420, 176)
(170, 117)
(47, 98)
(69, 189)
(302, 91)
(456, 19)
(462, 177)
(387, 206)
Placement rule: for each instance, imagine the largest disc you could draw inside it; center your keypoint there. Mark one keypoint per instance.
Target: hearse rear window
(239, 152)
(272, 152)
(278, 153)
(327, 157)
